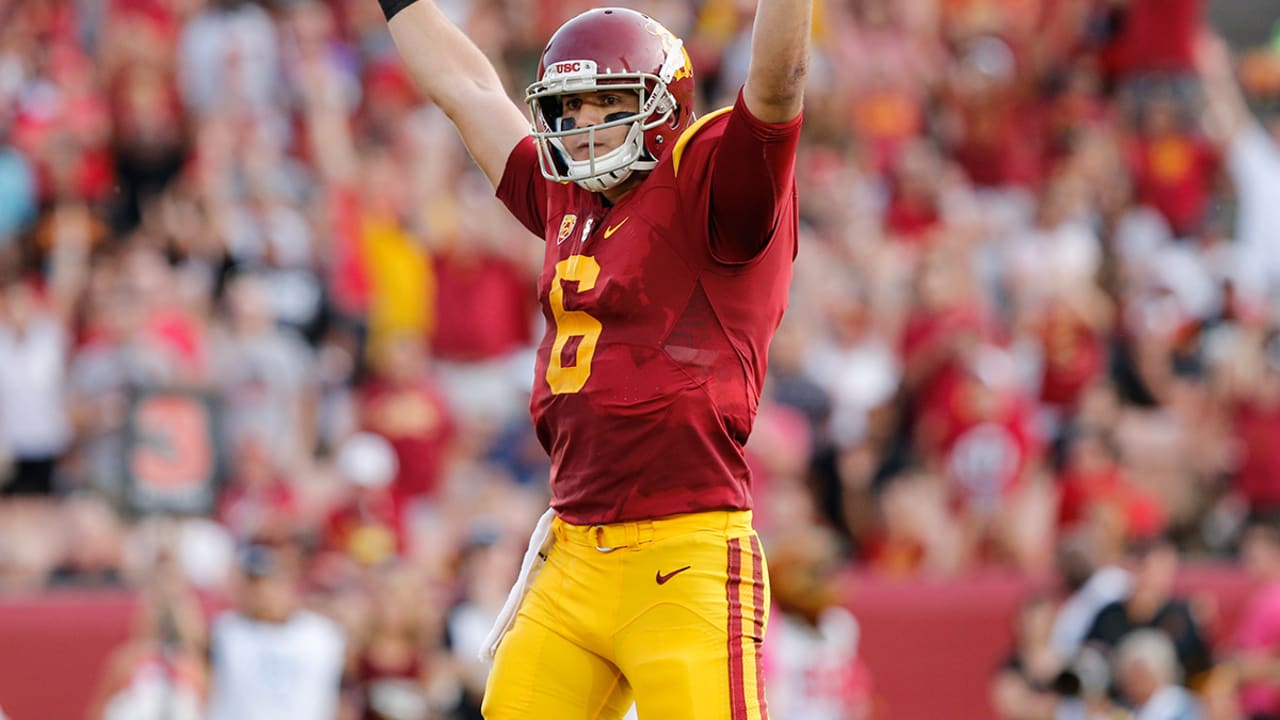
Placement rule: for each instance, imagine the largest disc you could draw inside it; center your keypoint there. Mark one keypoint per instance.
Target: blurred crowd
(266, 338)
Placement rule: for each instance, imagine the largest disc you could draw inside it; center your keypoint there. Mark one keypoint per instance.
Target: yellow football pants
(668, 612)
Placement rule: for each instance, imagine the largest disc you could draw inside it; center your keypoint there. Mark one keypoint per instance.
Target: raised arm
(1226, 111)
(456, 75)
(774, 92)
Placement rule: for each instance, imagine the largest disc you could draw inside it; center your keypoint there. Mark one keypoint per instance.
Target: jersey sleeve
(752, 181)
(523, 189)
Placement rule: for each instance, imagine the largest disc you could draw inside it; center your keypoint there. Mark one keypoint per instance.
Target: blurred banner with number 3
(171, 456)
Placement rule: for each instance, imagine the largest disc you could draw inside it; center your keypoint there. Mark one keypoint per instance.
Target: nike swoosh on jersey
(611, 230)
(662, 579)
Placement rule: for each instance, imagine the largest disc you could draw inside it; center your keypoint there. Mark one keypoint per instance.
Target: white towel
(540, 543)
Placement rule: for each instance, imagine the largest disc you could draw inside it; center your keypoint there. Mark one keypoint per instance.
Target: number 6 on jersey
(584, 270)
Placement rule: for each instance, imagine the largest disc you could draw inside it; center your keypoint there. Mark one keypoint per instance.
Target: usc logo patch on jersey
(566, 228)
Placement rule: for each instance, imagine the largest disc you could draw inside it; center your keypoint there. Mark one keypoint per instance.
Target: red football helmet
(615, 49)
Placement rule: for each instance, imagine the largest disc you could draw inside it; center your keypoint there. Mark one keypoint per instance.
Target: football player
(669, 244)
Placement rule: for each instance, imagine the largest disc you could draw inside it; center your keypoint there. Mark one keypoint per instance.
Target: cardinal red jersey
(659, 314)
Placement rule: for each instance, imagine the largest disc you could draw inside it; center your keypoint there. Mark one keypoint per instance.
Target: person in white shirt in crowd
(265, 375)
(270, 658)
(1146, 672)
(34, 425)
(229, 59)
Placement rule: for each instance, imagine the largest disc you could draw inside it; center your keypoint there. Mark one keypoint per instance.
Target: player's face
(582, 110)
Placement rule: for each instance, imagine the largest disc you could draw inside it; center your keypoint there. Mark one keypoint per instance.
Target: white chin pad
(601, 172)
(598, 173)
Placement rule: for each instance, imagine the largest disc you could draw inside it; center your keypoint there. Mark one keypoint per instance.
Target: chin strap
(604, 182)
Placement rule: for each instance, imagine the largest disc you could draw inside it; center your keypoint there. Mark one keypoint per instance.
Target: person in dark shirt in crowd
(1151, 603)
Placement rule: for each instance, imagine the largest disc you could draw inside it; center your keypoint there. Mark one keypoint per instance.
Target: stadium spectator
(1173, 167)
(17, 189)
(1092, 579)
(396, 669)
(257, 500)
(363, 527)
(1025, 686)
(485, 569)
(1147, 674)
(160, 672)
(1151, 604)
(36, 427)
(401, 401)
(813, 665)
(271, 658)
(1257, 635)
(266, 376)
(229, 59)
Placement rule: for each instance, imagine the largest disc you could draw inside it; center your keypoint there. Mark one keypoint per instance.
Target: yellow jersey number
(584, 270)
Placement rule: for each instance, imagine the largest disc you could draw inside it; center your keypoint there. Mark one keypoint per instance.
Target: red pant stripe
(757, 587)
(737, 685)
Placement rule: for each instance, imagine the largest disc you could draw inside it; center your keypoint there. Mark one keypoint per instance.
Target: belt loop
(644, 532)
